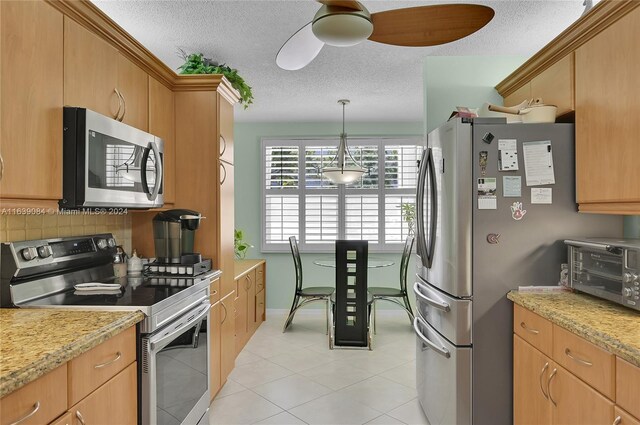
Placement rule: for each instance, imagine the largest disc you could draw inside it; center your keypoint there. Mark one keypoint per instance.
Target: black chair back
(351, 307)
(297, 262)
(404, 262)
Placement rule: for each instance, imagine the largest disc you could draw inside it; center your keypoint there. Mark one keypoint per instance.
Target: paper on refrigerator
(538, 163)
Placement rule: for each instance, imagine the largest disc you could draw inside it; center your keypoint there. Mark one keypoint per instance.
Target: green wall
(451, 81)
(280, 272)
(632, 226)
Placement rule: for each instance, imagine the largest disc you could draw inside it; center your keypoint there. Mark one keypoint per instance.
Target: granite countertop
(36, 341)
(609, 326)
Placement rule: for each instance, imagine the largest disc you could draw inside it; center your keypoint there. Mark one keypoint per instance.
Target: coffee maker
(174, 236)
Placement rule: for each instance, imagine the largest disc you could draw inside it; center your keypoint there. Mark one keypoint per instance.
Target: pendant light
(342, 173)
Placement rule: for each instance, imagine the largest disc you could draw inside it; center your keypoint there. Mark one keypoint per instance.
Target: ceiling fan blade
(429, 25)
(347, 4)
(299, 50)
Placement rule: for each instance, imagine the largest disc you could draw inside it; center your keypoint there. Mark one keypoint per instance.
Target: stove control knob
(627, 292)
(44, 251)
(102, 243)
(111, 242)
(29, 253)
(629, 277)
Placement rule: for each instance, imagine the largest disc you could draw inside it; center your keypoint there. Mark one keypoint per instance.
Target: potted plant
(239, 245)
(409, 215)
(196, 63)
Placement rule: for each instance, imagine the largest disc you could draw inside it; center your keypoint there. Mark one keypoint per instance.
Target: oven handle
(156, 345)
(191, 306)
(437, 304)
(601, 247)
(438, 349)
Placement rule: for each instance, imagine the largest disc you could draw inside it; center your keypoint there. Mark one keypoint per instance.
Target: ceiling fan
(348, 22)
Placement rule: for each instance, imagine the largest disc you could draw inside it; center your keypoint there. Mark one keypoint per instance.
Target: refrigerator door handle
(437, 304)
(438, 349)
(433, 217)
(420, 246)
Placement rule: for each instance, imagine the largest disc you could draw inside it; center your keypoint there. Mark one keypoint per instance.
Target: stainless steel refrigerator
(469, 258)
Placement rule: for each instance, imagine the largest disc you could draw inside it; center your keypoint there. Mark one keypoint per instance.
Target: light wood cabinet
(215, 364)
(532, 328)
(576, 403)
(227, 225)
(66, 419)
(162, 124)
(133, 84)
(94, 73)
(624, 418)
(577, 384)
(115, 402)
(628, 387)
(38, 402)
(31, 102)
(226, 131)
(530, 371)
(555, 85)
(227, 337)
(607, 126)
(241, 313)
(90, 70)
(95, 367)
(518, 96)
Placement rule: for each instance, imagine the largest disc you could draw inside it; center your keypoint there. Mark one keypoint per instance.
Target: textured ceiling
(383, 82)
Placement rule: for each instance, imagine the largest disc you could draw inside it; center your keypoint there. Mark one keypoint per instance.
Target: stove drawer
(95, 367)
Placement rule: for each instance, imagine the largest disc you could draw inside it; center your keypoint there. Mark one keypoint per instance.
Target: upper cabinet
(31, 113)
(226, 130)
(555, 85)
(162, 124)
(607, 124)
(98, 77)
(592, 68)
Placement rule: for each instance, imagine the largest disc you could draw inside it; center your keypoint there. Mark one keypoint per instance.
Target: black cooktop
(137, 291)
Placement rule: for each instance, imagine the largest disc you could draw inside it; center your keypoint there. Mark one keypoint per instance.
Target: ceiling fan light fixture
(339, 27)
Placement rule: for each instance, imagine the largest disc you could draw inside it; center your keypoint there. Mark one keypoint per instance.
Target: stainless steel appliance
(174, 235)
(469, 258)
(107, 163)
(607, 268)
(173, 359)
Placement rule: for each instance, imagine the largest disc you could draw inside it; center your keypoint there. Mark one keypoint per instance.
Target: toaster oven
(606, 268)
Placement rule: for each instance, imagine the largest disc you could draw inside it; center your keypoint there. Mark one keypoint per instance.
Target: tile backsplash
(45, 226)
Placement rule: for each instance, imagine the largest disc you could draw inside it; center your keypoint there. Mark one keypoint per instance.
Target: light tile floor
(293, 378)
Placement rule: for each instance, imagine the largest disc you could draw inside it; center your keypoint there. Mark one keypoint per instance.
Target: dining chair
(397, 295)
(304, 296)
(350, 313)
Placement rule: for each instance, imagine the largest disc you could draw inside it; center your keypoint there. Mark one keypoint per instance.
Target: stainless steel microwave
(107, 163)
(606, 268)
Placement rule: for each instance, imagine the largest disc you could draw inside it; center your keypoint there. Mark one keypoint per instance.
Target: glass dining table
(372, 262)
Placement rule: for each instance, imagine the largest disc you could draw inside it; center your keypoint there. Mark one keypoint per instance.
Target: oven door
(175, 371)
(597, 272)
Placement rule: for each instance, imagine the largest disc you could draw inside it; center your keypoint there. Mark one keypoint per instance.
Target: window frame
(341, 191)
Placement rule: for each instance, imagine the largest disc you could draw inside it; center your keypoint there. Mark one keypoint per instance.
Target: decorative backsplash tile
(45, 226)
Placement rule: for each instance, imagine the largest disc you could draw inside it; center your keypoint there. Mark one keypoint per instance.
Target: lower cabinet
(546, 392)
(114, 402)
(215, 383)
(227, 337)
(108, 393)
(530, 370)
(250, 299)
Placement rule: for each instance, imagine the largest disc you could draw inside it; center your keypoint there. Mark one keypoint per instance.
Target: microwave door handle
(601, 247)
(159, 171)
(420, 247)
(433, 217)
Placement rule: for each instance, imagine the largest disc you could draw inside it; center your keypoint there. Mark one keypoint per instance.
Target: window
(299, 201)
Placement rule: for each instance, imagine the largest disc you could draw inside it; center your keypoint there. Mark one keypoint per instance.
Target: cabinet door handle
(549, 386)
(118, 356)
(80, 417)
(224, 145)
(617, 420)
(124, 106)
(576, 359)
(120, 105)
(544, 369)
(225, 313)
(1, 166)
(33, 411)
(528, 329)
(225, 173)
